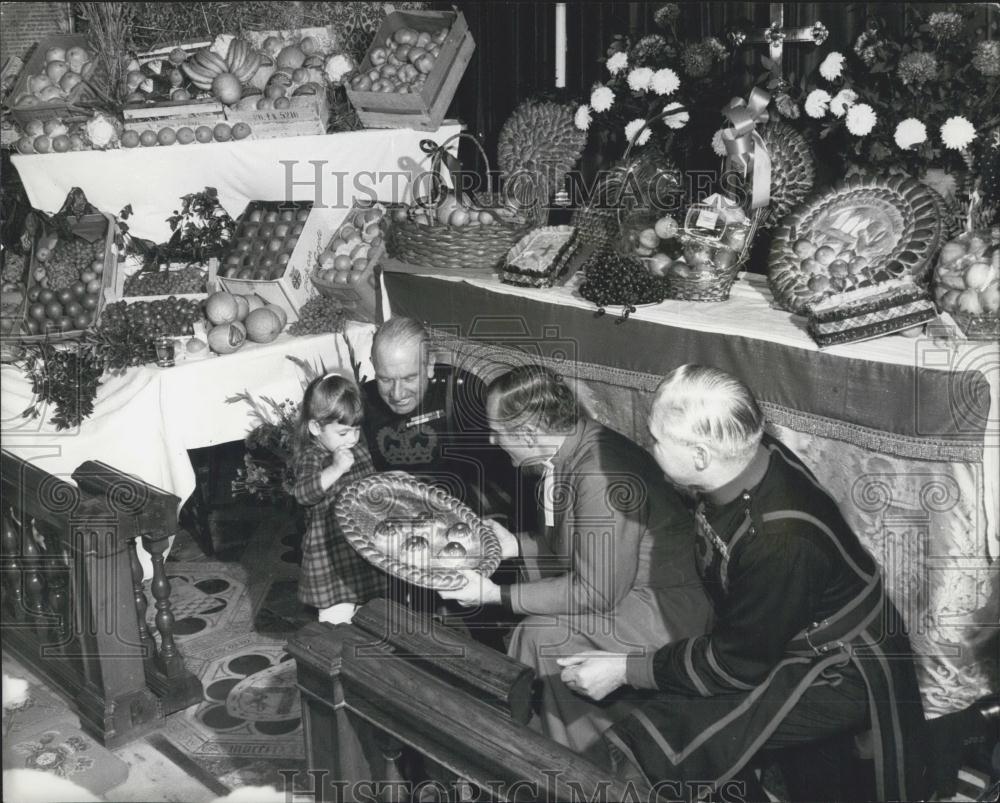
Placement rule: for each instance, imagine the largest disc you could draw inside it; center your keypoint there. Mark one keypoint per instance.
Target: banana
(251, 67)
(211, 62)
(198, 78)
(236, 57)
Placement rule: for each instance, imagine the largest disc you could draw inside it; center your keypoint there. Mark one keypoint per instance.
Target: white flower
(665, 81)
(101, 131)
(601, 99)
(957, 133)
(617, 63)
(632, 128)
(640, 78)
(337, 66)
(842, 101)
(677, 120)
(910, 132)
(818, 103)
(582, 118)
(717, 144)
(861, 119)
(833, 66)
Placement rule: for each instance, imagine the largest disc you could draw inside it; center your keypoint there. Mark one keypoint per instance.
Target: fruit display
(653, 239)
(865, 231)
(168, 316)
(61, 262)
(401, 63)
(611, 279)
(190, 279)
(967, 281)
(318, 316)
(353, 248)
(236, 318)
(65, 310)
(224, 77)
(264, 240)
(61, 78)
(62, 134)
(451, 212)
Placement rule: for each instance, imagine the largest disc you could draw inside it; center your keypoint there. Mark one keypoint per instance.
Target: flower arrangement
(910, 105)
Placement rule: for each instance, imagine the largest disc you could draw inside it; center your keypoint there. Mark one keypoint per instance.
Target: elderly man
(614, 566)
(806, 650)
(428, 419)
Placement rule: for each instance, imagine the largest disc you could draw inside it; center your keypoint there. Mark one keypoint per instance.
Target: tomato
(83, 320)
(89, 302)
(37, 312)
(33, 293)
(65, 323)
(45, 295)
(53, 310)
(79, 289)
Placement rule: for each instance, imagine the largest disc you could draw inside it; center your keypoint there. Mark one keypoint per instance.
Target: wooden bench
(74, 603)
(395, 679)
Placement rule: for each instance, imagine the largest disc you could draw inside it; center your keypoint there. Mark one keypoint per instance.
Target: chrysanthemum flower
(957, 133)
(617, 63)
(917, 68)
(674, 118)
(582, 117)
(987, 58)
(665, 82)
(945, 26)
(910, 132)
(833, 66)
(640, 78)
(818, 103)
(601, 99)
(634, 126)
(842, 101)
(861, 119)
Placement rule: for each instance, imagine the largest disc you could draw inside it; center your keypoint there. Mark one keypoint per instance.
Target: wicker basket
(441, 246)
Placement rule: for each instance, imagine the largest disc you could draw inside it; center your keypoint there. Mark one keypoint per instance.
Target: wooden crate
(80, 98)
(308, 115)
(173, 114)
(423, 110)
(116, 292)
(90, 228)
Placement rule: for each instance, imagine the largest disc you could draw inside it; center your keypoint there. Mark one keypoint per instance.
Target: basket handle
(632, 143)
(440, 154)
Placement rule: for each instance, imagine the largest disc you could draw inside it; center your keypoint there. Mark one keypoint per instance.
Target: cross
(775, 36)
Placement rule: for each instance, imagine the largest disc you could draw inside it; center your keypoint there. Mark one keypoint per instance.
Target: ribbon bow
(744, 145)
(439, 154)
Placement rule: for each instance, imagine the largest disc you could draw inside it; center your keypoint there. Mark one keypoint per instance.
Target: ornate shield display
(867, 230)
(416, 532)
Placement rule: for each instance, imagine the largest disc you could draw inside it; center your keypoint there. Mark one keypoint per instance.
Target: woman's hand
(477, 591)
(510, 547)
(594, 674)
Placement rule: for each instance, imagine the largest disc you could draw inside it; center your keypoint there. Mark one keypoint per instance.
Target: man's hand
(509, 545)
(478, 590)
(594, 674)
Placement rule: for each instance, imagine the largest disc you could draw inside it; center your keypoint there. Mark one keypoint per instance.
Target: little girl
(329, 456)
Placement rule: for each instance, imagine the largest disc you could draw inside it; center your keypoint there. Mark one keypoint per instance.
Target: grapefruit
(185, 135)
(221, 308)
(241, 130)
(280, 312)
(166, 136)
(290, 57)
(203, 133)
(227, 338)
(148, 138)
(130, 139)
(226, 87)
(243, 308)
(222, 132)
(263, 325)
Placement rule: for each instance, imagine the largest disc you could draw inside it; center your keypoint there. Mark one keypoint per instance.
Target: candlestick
(560, 44)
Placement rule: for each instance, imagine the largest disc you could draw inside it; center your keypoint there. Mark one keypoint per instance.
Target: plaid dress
(332, 572)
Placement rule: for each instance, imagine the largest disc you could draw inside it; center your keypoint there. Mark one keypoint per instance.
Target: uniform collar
(750, 477)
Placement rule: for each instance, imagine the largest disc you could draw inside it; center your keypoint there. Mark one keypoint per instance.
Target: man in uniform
(429, 420)
(806, 651)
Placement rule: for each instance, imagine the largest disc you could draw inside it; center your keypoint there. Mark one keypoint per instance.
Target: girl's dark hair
(535, 395)
(328, 399)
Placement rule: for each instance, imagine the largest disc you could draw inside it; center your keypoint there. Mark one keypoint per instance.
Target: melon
(290, 57)
(255, 301)
(227, 338)
(226, 87)
(221, 307)
(263, 325)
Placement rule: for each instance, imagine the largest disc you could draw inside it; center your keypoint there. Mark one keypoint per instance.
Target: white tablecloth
(145, 420)
(333, 169)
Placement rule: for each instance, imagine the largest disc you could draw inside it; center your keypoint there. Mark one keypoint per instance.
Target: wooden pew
(74, 604)
(393, 678)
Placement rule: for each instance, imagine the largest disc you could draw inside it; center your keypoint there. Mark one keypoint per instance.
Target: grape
(319, 315)
(161, 283)
(613, 279)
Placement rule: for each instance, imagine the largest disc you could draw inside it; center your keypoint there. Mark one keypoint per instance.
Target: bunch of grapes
(166, 282)
(13, 268)
(613, 279)
(318, 316)
(70, 258)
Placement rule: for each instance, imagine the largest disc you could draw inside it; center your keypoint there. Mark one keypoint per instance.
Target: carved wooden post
(150, 514)
(10, 549)
(333, 746)
(34, 583)
(141, 606)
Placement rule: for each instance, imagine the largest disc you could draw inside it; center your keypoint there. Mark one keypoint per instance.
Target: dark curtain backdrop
(515, 44)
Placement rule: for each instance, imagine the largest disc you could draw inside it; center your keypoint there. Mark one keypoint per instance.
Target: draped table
(903, 432)
(331, 169)
(146, 419)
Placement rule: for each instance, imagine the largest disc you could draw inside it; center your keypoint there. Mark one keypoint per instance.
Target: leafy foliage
(202, 227)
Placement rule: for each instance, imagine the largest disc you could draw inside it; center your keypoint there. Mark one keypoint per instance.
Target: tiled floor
(232, 619)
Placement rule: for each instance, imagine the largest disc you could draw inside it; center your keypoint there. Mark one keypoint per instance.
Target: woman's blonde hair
(536, 396)
(696, 402)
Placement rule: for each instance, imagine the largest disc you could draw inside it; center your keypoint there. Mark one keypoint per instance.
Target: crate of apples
(354, 249)
(967, 282)
(264, 240)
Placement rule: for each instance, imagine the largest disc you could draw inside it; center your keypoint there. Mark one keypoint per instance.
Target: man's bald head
(403, 368)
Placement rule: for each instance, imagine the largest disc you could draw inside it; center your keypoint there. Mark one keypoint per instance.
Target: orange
(148, 138)
(222, 132)
(166, 136)
(203, 133)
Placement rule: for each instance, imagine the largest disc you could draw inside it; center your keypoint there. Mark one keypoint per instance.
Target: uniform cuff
(639, 670)
(505, 600)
